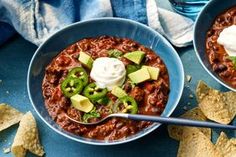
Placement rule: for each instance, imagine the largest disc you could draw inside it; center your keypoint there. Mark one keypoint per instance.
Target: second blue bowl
(203, 23)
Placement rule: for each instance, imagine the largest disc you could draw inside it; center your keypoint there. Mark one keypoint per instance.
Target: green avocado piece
(86, 60)
(139, 75)
(153, 71)
(118, 92)
(81, 103)
(135, 56)
(132, 68)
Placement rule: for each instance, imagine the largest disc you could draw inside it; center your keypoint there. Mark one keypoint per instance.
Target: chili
(57, 103)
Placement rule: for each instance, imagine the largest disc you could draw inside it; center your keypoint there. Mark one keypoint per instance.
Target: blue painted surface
(14, 60)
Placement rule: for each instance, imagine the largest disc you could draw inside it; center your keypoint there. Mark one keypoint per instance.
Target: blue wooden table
(15, 56)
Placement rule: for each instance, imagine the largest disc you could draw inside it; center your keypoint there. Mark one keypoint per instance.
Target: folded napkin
(36, 20)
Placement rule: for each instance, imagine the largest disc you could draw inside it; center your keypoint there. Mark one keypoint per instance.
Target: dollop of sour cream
(108, 72)
(227, 38)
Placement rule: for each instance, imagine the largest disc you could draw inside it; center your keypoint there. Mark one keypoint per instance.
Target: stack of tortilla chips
(27, 137)
(196, 142)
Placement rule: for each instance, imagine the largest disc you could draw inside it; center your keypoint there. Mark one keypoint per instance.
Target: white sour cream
(108, 72)
(227, 38)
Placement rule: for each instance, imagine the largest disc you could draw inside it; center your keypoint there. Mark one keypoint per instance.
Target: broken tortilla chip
(27, 137)
(233, 140)
(196, 144)
(176, 132)
(225, 146)
(202, 90)
(215, 107)
(8, 116)
(230, 102)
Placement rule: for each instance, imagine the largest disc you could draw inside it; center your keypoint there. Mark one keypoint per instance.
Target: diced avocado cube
(153, 71)
(118, 92)
(135, 56)
(139, 76)
(81, 103)
(86, 60)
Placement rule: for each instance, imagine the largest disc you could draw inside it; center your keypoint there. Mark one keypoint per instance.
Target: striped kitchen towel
(36, 20)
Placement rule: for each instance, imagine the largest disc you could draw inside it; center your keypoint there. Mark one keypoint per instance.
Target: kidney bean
(210, 33)
(215, 48)
(209, 44)
(127, 87)
(213, 57)
(225, 73)
(220, 19)
(219, 67)
(150, 57)
(214, 37)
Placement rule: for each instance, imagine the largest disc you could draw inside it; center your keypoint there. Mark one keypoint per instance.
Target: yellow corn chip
(233, 140)
(202, 90)
(8, 116)
(27, 137)
(216, 105)
(176, 132)
(196, 144)
(230, 102)
(225, 146)
(215, 108)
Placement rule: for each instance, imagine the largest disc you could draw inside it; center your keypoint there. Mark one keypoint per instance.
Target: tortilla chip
(8, 116)
(230, 102)
(176, 132)
(196, 144)
(233, 140)
(27, 137)
(18, 151)
(216, 108)
(225, 146)
(202, 90)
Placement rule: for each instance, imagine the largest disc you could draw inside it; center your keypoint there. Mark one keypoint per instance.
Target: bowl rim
(198, 54)
(152, 127)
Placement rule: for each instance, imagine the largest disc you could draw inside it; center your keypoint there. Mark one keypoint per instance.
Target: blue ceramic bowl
(97, 27)
(203, 23)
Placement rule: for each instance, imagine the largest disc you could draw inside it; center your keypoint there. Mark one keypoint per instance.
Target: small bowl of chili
(111, 65)
(211, 41)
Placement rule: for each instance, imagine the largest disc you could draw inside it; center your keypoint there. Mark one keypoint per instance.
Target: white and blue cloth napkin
(36, 20)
